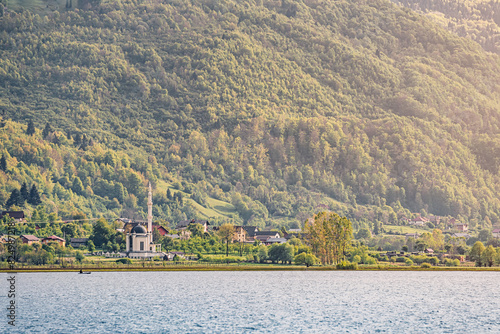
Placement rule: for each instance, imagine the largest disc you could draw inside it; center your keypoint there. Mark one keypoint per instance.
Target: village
(200, 240)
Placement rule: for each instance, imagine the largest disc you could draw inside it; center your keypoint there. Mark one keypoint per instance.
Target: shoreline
(248, 268)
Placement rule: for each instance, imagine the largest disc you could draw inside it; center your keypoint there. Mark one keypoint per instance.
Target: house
(162, 230)
(495, 233)
(412, 235)
(170, 256)
(17, 215)
(271, 241)
(240, 234)
(244, 233)
(182, 225)
(262, 236)
(462, 227)
(461, 235)
(78, 242)
(29, 239)
(54, 238)
(418, 221)
(429, 251)
(435, 219)
(251, 230)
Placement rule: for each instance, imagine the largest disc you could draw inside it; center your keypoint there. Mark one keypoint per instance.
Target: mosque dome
(139, 229)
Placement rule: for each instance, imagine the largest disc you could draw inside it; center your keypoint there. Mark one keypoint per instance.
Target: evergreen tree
(178, 197)
(34, 197)
(3, 163)
(24, 192)
(14, 199)
(31, 128)
(77, 186)
(77, 140)
(47, 130)
(169, 194)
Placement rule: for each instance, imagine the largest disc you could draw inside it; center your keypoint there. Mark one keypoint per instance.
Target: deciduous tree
(329, 236)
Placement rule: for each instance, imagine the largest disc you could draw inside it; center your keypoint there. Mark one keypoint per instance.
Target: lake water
(259, 302)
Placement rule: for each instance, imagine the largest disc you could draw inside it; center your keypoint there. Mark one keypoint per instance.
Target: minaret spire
(150, 212)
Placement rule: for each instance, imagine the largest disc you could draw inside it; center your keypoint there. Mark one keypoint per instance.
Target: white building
(139, 242)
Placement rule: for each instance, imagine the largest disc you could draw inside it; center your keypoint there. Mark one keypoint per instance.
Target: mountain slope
(276, 107)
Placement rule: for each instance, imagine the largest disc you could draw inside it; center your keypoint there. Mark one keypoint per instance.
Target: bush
(346, 265)
(425, 265)
(369, 260)
(451, 263)
(356, 259)
(222, 259)
(401, 259)
(124, 261)
(409, 262)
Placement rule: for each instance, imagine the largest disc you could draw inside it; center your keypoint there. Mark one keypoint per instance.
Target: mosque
(139, 241)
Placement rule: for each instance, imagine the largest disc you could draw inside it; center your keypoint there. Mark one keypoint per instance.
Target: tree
(262, 253)
(476, 252)
(167, 243)
(102, 234)
(14, 199)
(24, 191)
(226, 232)
(306, 259)
(47, 130)
(329, 235)
(196, 230)
(34, 196)
(488, 256)
(169, 194)
(376, 229)
(3, 163)
(79, 256)
(91, 246)
(31, 128)
(363, 233)
(77, 186)
(484, 235)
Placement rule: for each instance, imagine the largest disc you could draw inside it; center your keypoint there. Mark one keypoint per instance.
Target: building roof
(77, 240)
(13, 214)
(30, 237)
(139, 229)
(497, 230)
(54, 237)
(186, 223)
(461, 235)
(266, 232)
(276, 240)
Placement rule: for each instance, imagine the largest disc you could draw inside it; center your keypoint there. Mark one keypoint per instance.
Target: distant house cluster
(31, 239)
(451, 223)
(246, 234)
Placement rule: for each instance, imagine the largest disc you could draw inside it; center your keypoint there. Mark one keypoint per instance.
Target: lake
(260, 302)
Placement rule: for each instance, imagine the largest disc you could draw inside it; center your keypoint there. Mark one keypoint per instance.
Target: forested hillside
(478, 20)
(277, 107)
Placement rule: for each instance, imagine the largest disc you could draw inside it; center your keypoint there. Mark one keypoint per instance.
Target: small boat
(85, 272)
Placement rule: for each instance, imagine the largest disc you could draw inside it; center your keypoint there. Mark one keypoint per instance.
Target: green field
(404, 229)
(215, 208)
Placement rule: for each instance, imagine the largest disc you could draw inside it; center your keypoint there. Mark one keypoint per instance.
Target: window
(142, 245)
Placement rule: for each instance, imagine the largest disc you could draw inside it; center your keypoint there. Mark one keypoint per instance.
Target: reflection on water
(309, 302)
